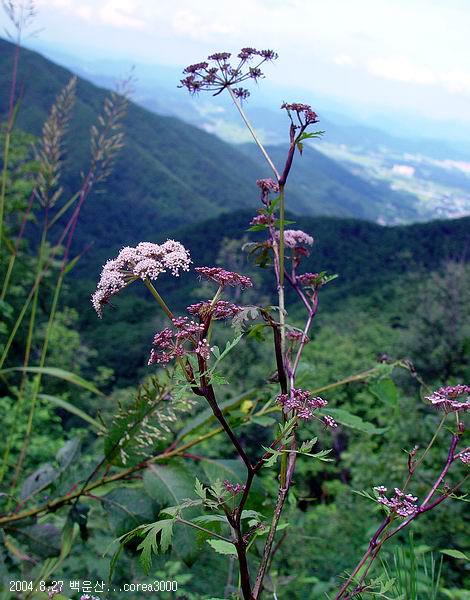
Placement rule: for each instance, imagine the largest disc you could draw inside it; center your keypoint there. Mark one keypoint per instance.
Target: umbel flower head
(305, 114)
(400, 503)
(146, 260)
(216, 73)
(304, 405)
(451, 398)
(224, 278)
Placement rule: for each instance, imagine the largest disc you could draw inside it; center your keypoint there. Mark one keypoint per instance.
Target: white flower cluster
(146, 260)
(293, 238)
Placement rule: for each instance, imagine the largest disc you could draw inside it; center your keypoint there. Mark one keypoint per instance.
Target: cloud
(196, 27)
(457, 82)
(121, 14)
(400, 68)
(343, 60)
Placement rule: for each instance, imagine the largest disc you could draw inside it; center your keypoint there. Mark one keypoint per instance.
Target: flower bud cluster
(305, 114)
(169, 344)
(304, 405)
(400, 503)
(219, 310)
(233, 488)
(223, 277)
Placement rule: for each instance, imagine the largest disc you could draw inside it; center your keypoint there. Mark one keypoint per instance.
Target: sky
(398, 55)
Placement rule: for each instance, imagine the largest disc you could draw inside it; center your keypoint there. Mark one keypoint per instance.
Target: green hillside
(322, 182)
(170, 173)
(367, 257)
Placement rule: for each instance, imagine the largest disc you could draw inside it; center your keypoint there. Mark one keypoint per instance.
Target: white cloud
(457, 82)
(122, 14)
(400, 68)
(343, 60)
(197, 27)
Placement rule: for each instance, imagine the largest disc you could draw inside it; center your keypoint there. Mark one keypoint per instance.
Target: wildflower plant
(185, 368)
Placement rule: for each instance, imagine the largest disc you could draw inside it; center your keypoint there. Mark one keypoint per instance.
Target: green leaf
(222, 547)
(42, 539)
(354, 422)
(385, 390)
(229, 346)
(220, 469)
(207, 416)
(210, 519)
(39, 480)
(128, 508)
(171, 485)
(149, 545)
(455, 554)
(71, 409)
(199, 489)
(67, 454)
(59, 374)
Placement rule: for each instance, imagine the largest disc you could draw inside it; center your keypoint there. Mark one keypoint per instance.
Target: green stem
(3, 189)
(158, 298)
(207, 531)
(34, 294)
(253, 133)
(38, 378)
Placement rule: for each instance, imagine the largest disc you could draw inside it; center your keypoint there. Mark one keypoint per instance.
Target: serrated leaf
(171, 485)
(199, 489)
(223, 547)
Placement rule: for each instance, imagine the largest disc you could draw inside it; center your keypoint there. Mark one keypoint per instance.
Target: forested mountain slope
(170, 173)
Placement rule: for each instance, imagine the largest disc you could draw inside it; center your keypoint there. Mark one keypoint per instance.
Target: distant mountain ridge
(170, 173)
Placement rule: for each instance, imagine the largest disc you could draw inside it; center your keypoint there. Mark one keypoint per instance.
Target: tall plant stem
(158, 298)
(6, 145)
(38, 378)
(29, 341)
(253, 133)
(11, 262)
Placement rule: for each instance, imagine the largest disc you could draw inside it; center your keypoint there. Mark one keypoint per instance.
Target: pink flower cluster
(223, 277)
(295, 238)
(233, 488)
(305, 114)
(268, 185)
(146, 260)
(451, 398)
(219, 310)
(464, 456)
(216, 73)
(295, 336)
(169, 344)
(263, 219)
(304, 405)
(400, 503)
